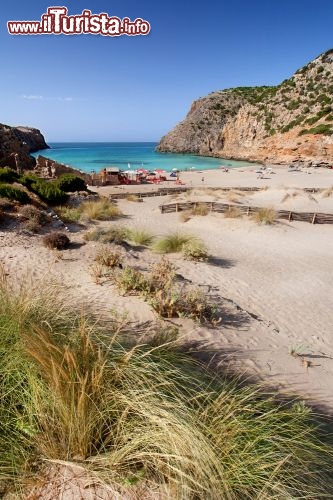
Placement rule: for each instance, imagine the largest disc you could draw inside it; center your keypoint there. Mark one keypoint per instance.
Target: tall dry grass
(102, 209)
(264, 216)
(129, 413)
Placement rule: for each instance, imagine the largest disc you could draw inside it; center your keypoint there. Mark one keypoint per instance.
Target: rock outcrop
(292, 122)
(49, 169)
(16, 143)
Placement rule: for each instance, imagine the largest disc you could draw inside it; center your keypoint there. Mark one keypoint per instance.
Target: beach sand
(272, 284)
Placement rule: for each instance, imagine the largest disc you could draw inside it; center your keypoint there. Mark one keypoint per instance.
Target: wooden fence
(146, 194)
(312, 217)
(165, 191)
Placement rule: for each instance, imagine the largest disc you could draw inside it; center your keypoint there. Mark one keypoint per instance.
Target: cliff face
(292, 122)
(19, 141)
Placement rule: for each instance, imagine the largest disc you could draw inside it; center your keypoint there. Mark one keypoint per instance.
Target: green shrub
(49, 192)
(70, 183)
(69, 214)
(323, 128)
(14, 194)
(8, 175)
(130, 280)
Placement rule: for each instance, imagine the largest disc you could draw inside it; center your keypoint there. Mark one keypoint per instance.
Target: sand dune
(272, 283)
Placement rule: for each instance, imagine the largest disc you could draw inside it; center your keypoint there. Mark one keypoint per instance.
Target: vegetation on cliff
(225, 120)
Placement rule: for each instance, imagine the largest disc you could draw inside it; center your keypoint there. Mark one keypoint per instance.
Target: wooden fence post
(314, 219)
(290, 216)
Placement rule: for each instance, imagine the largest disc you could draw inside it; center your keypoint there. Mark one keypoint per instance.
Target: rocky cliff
(291, 122)
(16, 143)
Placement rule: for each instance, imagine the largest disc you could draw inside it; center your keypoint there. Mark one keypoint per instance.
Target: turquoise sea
(88, 156)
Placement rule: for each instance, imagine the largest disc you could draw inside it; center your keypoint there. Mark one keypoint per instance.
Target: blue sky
(94, 88)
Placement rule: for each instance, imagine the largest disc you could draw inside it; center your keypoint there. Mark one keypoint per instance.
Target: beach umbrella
(175, 170)
(159, 171)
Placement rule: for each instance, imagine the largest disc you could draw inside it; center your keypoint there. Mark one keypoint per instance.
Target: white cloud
(33, 97)
(66, 99)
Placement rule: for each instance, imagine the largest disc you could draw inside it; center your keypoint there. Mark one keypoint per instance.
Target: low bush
(56, 240)
(101, 209)
(108, 257)
(31, 212)
(195, 250)
(70, 183)
(264, 216)
(69, 214)
(173, 302)
(14, 194)
(115, 235)
(130, 280)
(48, 192)
(8, 175)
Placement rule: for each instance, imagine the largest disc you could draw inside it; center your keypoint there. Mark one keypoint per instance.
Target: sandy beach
(272, 282)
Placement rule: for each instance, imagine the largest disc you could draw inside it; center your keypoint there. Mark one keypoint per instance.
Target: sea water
(94, 156)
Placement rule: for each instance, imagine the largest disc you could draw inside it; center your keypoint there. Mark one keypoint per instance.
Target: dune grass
(172, 243)
(140, 237)
(130, 413)
(101, 209)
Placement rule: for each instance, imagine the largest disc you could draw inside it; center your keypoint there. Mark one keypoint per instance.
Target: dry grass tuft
(234, 196)
(264, 216)
(134, 198)
(233, 213)
(101, 209)
(200, 209)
